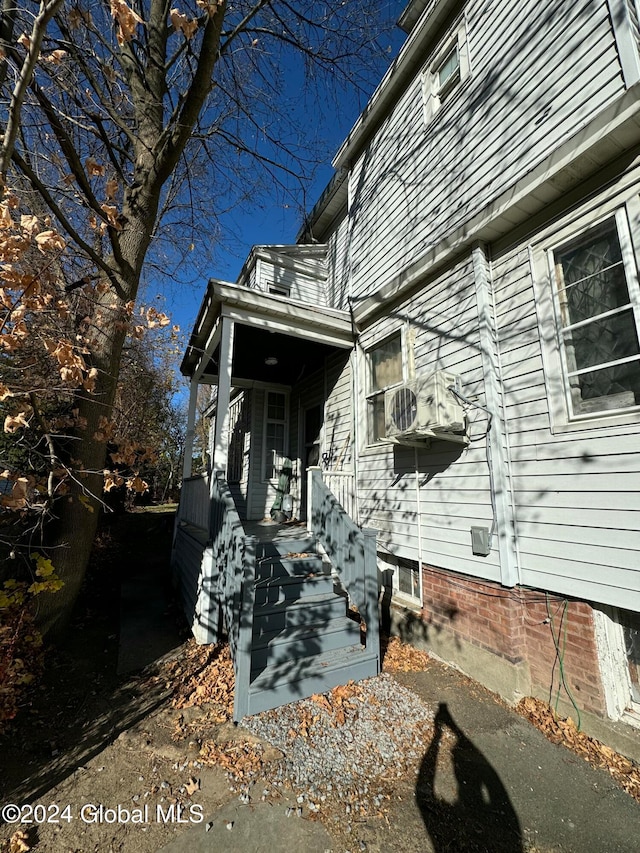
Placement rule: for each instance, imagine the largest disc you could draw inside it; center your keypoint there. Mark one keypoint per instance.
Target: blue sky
(273, 220)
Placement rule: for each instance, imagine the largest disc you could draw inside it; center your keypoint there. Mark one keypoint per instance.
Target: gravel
(343, 749)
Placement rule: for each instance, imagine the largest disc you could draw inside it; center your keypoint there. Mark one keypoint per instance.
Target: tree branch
(47, 11)
(48, 199)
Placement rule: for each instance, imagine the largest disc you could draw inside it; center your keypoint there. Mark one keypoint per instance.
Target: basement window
(402, 576)
(618, 639)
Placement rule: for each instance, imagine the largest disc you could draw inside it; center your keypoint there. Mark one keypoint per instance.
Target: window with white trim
(400, 576)
(384, 370)
(597, 302)
(446, 71)
(275, 434)
(279, 289)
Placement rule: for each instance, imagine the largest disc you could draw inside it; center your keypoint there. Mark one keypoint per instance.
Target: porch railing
(342, 485)
(352, 551)
(233, 556)
(194, 502)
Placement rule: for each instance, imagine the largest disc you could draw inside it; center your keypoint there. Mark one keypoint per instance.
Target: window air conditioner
(424, 408)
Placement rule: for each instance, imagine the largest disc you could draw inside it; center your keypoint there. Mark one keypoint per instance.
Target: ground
(158, 743)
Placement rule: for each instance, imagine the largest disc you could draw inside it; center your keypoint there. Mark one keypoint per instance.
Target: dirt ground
(89, 735)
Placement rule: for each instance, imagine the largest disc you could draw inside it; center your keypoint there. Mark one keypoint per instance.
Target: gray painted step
(274, 567)
(279, 548)
(291, 589)
(286, 614)
(301, 641)
(288, 682)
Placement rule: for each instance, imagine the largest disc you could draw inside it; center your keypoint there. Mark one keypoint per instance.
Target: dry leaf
(192, 786)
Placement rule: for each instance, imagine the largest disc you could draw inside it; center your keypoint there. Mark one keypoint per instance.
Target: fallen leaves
(402, 657)
(241, 760)
(204, 675)
(565, 732)
(191, 786)
(19, 842)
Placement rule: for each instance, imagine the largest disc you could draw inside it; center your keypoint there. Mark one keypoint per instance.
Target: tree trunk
(72, 532)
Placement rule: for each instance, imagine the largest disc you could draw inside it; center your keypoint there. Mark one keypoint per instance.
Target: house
(452, 348)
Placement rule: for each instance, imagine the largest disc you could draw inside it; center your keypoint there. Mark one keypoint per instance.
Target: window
(448, 68)
(618, 642)
(279, 289)
(384, 363)
(400, 577)
(597, 306)
(275, 434)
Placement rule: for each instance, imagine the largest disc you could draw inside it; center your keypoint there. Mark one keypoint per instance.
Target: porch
(298, 603)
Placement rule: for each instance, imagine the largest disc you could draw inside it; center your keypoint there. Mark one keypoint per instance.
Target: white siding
(302, 288)
(538, 73)
(575, 492)
(337, 440)
(439, 492)
(338, 263)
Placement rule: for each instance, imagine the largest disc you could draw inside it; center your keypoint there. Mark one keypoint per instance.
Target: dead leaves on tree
(126, 19)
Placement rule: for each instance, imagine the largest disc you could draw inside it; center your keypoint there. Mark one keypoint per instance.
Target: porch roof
(296, 333)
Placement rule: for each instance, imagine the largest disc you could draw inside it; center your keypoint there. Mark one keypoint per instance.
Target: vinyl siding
(337, 440)
(538, 73)
(338, 262)
(438, 492)
(575, 492)
(302, 288)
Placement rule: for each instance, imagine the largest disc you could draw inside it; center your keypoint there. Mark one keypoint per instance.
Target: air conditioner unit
(425, 408)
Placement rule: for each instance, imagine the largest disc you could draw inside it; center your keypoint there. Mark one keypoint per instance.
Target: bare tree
(105, 128)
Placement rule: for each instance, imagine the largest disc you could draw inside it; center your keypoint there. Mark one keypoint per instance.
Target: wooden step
(280, 548)
(293, 680)
(280, 615)
(300, 566)
(301, 641)
(287, 588)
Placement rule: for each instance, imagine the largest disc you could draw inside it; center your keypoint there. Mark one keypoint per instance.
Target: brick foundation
(521, 626)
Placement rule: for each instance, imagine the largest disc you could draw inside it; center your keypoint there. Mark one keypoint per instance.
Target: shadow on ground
(84, 700)
(480, 816)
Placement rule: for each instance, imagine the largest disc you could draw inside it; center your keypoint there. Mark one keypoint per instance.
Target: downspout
(355, 381)
(419, 522)
(356, 360)
(498, 461)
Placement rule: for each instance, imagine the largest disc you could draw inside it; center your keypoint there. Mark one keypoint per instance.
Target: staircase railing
(352, 551)
(194, 501)
(232, 589)
(342, 485)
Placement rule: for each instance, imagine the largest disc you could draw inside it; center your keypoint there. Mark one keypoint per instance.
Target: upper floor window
(279, 289)
(447, 69)
(384, 365)
(598, 311)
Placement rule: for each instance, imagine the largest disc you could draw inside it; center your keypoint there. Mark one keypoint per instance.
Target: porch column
(221, 434)
(191, 424)
(314, 476)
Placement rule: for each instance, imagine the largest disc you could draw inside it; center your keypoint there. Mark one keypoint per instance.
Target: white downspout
(419, 522)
